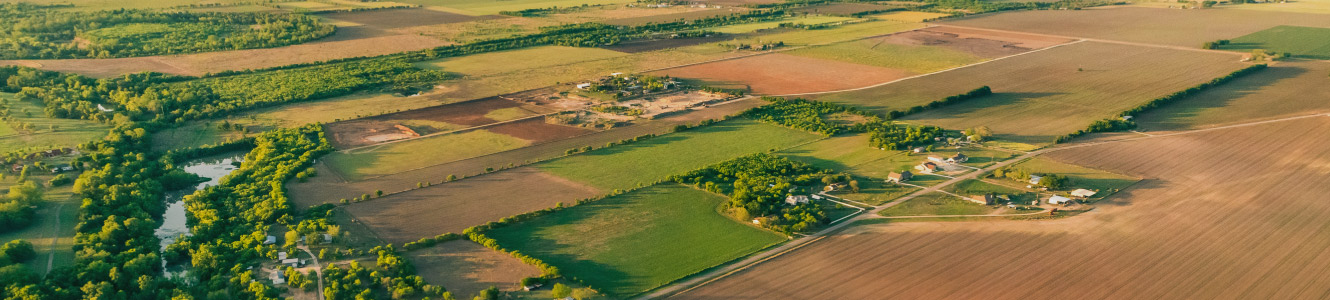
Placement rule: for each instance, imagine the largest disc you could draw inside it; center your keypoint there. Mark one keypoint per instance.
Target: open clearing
(654, 159)
(398, 18)
(1218, 218)
(1080, 177)
(936, 204)
(841, 33)
(751, 27)
(1045, 94)
(46, 133)
(874, 52)
(1303, 42)
(425, 121)
(522, 59)
(909, 16)
(1188, 28)
(1282, 89)
(464, 267)
(455, 206)
(344, 43)
(776, 74)
(634, 242)
(477, 8)
(674, 17)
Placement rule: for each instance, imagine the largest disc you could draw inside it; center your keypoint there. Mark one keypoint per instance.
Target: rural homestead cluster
(663, 149)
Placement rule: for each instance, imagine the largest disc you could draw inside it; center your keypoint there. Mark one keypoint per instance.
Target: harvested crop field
(909, 16)
(634, 242)
(1045, 94)
(346, 42)
(455, 206)
(842, 8)
(978, 41)
(1188, 28)
(521, 59)
(779, 73)
(448, 117)
(1206, 225)
(465, 268)
(399, 18)
(1283, 89)
(674, 17)
(662, 44)
(737, 2)
(882, 52)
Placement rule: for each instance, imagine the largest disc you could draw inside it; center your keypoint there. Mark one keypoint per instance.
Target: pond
(174, 219)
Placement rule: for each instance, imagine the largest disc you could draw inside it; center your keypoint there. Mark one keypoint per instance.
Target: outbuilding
(1058, 200)
(903, 176)
(796, 199)
(1083, 193)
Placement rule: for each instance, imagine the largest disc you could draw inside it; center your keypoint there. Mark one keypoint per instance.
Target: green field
(1306, 42)
(1280, 90)
(634, 242)
(850, 153)
(751, 27)
(1081, 177)
(66, 133)
(515, 60)
(59, 207)
(397, 157)
(1045, 94)
(836, 34)
(909, 16)
(874, 52)
(654, 159)
(477, 8)
(874, 191)
(936, 204)
(978, 187)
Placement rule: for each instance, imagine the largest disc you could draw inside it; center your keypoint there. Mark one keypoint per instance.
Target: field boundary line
(740, 268)
(934, 72)
(1044, 211)
(1101, 40)
(463, 130)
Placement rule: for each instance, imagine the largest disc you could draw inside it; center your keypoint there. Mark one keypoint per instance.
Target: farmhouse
(937, 159)
(985, 199)
(1083, 193)
(1058, 200)
(927, 168)
(958, 158)
(277, 277)
(903, 176)
(796, 199)
(918, 150)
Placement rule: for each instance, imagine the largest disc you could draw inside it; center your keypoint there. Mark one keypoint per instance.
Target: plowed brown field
(465, 268)
(1232, 213)
(786, 74)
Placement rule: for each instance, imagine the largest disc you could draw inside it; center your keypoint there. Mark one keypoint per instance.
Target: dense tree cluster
(1050, 181)
(16, 210)
(953, 99)
(758, 185)
(806, 115)
(392, 278)
(893, 136)
(33, 31)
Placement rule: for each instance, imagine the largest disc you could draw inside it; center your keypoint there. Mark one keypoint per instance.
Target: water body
(174, 220)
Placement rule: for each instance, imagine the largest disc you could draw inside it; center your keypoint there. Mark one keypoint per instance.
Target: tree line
(41, 32)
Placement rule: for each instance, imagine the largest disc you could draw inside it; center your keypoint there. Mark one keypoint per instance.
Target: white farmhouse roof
(1034, 179)
(1058, 199)
(1082, 193)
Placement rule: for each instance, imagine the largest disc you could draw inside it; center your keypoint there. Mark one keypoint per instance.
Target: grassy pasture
(875, 191)
(650, 160)
(1188, 28)
(67, 133)
(808, 19)
(477, 8)
(1042, 95)
(936, 204)
(836, 34)
(1308, 42)
(1281, 90)
(397, 157)
(522, 59)
(850, 153)
(909, 16)
(1302, 6)
(1081, 177)
(917, 59)
(634, 242)
(465, 268)
(128, 4)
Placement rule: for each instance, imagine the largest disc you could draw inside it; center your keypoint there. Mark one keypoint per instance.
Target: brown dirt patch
(786, 74)
(1030, 41)
(537, 131)
(399, 18)
(465, 268)
(1218, 217)
(1178, 27)
(661, 44)
(455, 206)
(975, 42)
(347, 42)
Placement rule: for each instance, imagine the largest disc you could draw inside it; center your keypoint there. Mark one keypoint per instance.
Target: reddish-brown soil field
(1188, 28)
(465, 268)
(353, 133)
(455, 206)
(347, 42)
(537, 131)
(786, 74)
(959, 37)
(841, 8)
(399, 18)
(1286, 88)
(329, 187)
(1235, 213)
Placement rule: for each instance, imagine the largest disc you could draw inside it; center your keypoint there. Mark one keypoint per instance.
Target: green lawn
(936, 204)
(1081, 177)
(1308, 42)
(407, 155)
(837, 34)
(66, 133)
(477, 8)
(850, 153)
(638, 241)
(750, 27)
(514, 60)
(654, 159)
(874, 52)
(59, 207)
(875, 191)
(978, 187)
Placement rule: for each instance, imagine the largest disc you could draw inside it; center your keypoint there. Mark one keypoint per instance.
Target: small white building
(918, 150)
(816, 197)
(583, 86)
(327, 238)
(796, 199)
(294, 262)
(1083, 193)
(1058, 200)
(757, 221)
(281, 255)
(937, 159)
(270, 240)
(277, 277)
(1034, 179)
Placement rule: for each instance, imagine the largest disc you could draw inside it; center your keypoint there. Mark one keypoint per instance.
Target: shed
(583, 86)
(796, 199)
(270, 240)
(294, 262)
(958, 158)
(985, 199)
(277, 277)
(903, 176)
(1034, 179)
(1058, 200)
(936, 158)
(927, 167)
(1083, 193)
(281, 255)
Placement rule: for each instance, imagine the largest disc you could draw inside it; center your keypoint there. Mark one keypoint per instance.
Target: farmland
(1279, 91)
(45, 132)
(524, 59)
(631, 243)
(455, 206)
(768, 74)
(490, 7)
(465, 267)
(1308, 42)
(1045, 94)
(621, 167)
(1188, 28)
(807, 20)
(1179, 222)
(873, 52)
(1081, 177)
(936, 204)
